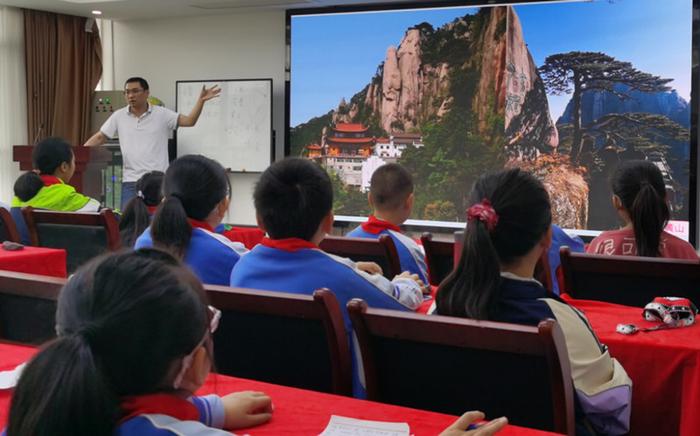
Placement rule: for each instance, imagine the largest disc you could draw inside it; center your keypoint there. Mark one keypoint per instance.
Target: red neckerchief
(162, 404)
(50, 180)
(375, 226)
(288, 244)
(200, 224)
(151, 209)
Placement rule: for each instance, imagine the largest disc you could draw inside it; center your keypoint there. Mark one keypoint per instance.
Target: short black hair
(390, 185)
(50, 153)
(292, 197)
(141, 81)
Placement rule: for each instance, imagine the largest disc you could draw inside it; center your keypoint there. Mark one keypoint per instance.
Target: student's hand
(208, 94)
(425, 290)
(369, 267)
(459, 427)
(246, 409)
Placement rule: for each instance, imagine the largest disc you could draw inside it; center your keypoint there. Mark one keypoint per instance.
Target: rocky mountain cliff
(596, 104)
(472, 89)
(415, 84)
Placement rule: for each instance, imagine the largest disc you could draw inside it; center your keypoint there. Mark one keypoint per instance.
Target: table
(664, 367)
(35, 260)
(297, 411)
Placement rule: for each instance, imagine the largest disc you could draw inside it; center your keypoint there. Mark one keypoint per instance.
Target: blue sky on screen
(335, 56)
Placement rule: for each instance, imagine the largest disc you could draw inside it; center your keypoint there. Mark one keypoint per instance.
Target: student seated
(561, 239)
(53, 159)
(509, 227)
(293, 201)
(134, 344)
(639, 195)
(137, 214)
(196, 193)
(391, 199)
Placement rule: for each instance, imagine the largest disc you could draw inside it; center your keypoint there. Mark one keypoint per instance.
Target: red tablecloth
(297, 411)
(664, 367)
(34, 260)
(248, 236)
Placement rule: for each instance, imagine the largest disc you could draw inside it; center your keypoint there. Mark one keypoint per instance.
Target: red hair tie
(485, 213)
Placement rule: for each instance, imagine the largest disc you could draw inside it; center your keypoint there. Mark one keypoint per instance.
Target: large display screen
(567, 90)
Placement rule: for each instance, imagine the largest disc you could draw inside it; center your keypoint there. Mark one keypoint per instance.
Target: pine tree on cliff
(588, 71)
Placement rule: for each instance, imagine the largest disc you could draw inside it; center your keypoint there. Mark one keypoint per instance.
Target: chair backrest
(28, 306)
(381, 251)
(629, 280)
(439, 255)
(8, 229)
(450, 365)
(83, 235)
(288, 339)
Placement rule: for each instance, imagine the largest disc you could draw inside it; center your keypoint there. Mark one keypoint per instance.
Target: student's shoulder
(162, 425)
(215, 241)
(405, 240)
(679, 248)
(144, 239)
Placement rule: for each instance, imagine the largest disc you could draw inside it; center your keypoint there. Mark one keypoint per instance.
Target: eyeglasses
(215, 317)
(133, 91)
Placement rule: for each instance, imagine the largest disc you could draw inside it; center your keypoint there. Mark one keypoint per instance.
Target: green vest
(59, 197)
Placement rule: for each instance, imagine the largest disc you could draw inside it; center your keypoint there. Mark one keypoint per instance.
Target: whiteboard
(234, 128)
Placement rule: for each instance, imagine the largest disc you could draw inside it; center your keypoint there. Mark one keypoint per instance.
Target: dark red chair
(439, 256)
(450, 365)
(629, 280)
(282, 338)
(382, 251)
(83, 235)
(28, 307)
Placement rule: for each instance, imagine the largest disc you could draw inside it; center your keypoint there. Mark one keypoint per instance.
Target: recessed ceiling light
(96, 12)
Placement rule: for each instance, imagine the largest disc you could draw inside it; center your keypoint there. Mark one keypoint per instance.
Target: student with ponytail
(53, 159)
(639, 195)
(196, 193)
(134, 343)
(137, 214)
(508, 229)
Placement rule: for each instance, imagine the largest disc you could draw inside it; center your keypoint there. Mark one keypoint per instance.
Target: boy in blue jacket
(293, 202)
(391, 199)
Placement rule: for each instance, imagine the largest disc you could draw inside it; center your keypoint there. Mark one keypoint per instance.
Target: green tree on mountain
(587, 71)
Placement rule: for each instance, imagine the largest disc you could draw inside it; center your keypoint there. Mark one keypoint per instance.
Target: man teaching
(143, 131)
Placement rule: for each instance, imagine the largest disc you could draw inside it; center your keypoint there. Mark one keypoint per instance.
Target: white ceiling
(149, 9)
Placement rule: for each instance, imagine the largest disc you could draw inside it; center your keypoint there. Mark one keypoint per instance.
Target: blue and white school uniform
(411, 254)
(211, 256)
(166, 414)
(300, 267)
(603, 390)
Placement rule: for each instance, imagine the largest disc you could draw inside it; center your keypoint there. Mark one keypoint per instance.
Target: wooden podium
(89, 161)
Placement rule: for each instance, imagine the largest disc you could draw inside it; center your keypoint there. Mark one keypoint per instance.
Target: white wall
(240, 46)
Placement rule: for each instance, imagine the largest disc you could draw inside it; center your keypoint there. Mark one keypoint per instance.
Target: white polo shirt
(143, 140)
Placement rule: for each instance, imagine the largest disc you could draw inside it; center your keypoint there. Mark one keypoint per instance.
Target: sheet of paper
(8, 379)
(342, 426)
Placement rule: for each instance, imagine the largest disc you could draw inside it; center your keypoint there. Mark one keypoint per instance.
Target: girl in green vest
(48, 189)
